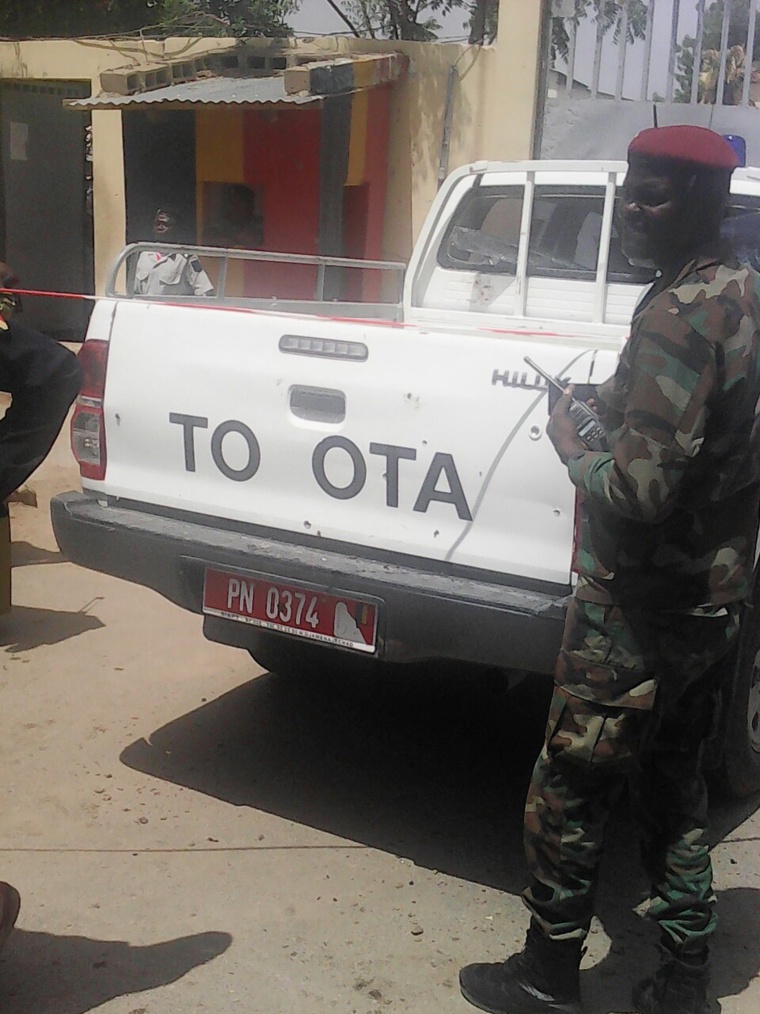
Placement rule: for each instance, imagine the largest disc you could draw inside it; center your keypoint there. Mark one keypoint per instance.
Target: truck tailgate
(391, 437)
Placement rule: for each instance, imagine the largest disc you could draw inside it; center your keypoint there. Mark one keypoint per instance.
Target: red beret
(683, 143)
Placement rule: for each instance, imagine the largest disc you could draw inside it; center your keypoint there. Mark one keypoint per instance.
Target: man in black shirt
(43, 379)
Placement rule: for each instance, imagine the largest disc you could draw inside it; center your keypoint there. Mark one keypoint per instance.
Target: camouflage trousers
(633, 704)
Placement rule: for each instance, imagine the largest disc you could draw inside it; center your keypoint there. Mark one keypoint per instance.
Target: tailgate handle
(318, 404)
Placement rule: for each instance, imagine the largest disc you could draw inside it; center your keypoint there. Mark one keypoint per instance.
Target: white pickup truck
(322, 486)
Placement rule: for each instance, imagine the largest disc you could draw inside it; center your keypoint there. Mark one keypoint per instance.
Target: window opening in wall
(233, 216)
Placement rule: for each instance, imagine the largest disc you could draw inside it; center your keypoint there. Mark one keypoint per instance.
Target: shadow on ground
(435, 771)
(46, 974)
(25, 554)
(27, 627)
(432, 769)
(735, 952)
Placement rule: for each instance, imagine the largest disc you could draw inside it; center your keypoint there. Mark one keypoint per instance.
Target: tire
(738, 774)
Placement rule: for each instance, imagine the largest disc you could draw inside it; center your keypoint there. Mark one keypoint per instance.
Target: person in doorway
(169, 273)
(668, 533)
(237, 224)
(43, 379)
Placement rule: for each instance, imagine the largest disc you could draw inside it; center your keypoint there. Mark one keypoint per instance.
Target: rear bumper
(423, 614)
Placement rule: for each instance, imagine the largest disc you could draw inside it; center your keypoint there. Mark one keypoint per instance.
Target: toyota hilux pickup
(327, 481)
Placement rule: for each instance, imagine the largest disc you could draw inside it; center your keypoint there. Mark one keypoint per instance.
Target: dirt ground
(191, 834)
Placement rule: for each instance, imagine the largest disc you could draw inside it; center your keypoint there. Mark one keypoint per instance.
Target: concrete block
(130, 80)
(336, 77)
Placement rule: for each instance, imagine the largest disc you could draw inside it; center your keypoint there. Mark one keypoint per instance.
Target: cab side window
(741, 229)
(565, 229)
(484, 234)
(565, 232)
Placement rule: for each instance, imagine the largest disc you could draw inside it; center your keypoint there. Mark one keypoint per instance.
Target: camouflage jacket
(670, 513)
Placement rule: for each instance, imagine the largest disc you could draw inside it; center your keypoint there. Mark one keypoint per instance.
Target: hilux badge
(518, 378)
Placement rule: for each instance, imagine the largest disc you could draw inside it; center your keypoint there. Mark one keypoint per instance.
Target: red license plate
(334, 619)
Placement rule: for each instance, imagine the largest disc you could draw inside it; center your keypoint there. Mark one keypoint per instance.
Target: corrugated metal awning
(223, 91)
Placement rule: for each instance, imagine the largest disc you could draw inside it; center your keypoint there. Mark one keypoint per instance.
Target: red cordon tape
(279, 313)
(55, 295)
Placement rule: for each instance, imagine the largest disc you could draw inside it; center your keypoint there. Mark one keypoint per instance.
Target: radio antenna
(654, 115)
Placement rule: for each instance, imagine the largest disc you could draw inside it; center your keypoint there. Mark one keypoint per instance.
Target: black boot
(679, 986)
(541, 979)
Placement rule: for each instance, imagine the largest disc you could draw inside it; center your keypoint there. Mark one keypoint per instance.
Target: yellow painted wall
(219, 158)
(357, 144)
(493, 115)
(218, 149)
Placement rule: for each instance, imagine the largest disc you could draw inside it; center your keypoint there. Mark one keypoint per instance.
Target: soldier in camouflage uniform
(669, 525)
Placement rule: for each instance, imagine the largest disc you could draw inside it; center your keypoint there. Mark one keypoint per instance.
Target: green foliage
(610, 13)
(72, 18)
(684, 69)
(712, 33)
(737, 32)
(416, 20)
(226, 17)
(66, 18)
(484, 21)
(390, 19)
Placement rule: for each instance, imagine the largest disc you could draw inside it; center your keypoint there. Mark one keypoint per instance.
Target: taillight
(88, 434)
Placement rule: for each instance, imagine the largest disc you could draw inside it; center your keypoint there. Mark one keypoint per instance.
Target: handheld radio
(587, 423)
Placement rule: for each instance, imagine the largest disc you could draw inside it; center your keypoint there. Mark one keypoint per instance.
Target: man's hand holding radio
(562, 428)
(588, 432)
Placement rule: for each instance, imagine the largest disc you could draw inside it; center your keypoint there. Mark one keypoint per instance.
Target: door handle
(318, 404)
